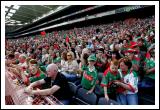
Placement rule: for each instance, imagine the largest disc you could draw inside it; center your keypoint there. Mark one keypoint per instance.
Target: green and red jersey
(150, 63)
(89, 78)
(38, 76)
(108, 78)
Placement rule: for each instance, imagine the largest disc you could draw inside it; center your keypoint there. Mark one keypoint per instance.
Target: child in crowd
(109, 76)
(90, 75)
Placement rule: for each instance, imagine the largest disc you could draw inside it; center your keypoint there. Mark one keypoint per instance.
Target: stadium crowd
(111, 60)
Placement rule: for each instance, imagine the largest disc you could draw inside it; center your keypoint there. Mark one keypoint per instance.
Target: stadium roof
(20, 15)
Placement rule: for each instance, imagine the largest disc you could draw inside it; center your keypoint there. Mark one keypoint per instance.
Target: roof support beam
(8, 10)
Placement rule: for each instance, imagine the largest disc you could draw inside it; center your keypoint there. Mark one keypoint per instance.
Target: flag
(43, 33)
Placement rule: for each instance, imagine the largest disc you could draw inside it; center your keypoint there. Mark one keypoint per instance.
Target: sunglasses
(68, 55)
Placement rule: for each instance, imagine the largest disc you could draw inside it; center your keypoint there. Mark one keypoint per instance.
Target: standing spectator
(110, 76)
(90, 75)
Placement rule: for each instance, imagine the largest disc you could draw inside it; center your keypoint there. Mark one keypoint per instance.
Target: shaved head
(52, 70)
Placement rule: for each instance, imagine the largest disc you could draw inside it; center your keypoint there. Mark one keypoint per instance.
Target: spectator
(110, 76)
(90, 75)
(35, 73)
(69, 67)
(58, 85)
(148, 80)
(101, 60)
(84, 56)
(129, 83)
(134, 60)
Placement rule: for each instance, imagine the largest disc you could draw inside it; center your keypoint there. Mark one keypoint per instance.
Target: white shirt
(65, 66)
(130, 79)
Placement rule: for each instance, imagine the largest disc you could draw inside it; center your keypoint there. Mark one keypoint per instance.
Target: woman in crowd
(69, 67)
(63, 57)
(129, 83)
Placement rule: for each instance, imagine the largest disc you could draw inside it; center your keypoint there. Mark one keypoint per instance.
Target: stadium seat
(103, 101)
(73, 88)
(85, 99)
(99, 91)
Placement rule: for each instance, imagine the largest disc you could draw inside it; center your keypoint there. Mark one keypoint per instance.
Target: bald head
(52, 70)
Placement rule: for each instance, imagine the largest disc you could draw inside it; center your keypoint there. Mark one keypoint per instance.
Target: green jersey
(150, 63)
(89, 78)
(108, 79)
(37, 77)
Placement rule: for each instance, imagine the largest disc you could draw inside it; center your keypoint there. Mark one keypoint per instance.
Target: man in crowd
(58, 85)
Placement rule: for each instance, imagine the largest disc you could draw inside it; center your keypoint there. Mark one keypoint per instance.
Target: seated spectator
(69, 67)
(58, 85)
(35, 73)
(129, 83)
